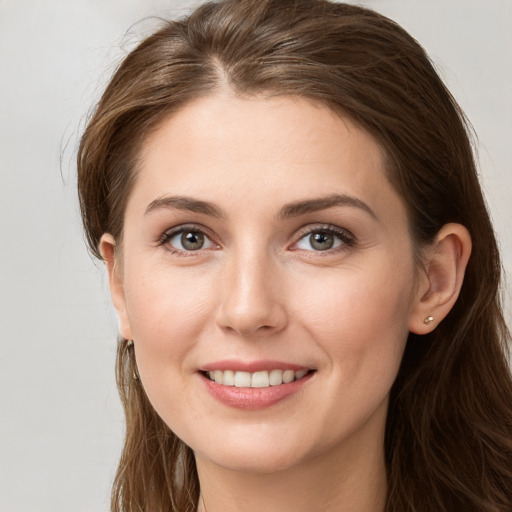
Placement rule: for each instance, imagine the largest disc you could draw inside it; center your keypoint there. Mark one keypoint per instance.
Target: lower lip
(253, 398)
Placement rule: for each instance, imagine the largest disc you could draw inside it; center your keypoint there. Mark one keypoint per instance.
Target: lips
(254, 385)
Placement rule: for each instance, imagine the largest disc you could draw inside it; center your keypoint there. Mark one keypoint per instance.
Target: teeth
(288, 376)
(275, 377)
(300, 374)
(228, 379)
(242, 380)
(262, 379)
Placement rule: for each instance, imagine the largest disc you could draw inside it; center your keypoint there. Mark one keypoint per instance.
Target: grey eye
(320, 241)
(190, 240)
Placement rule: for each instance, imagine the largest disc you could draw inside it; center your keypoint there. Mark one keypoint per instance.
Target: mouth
(259, 379)
(255, 385)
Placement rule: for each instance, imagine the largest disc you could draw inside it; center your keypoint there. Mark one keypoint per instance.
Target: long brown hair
(449, 429)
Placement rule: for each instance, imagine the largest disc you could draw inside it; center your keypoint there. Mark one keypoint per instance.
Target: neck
(344, 480)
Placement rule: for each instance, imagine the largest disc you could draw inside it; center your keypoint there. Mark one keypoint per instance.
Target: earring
(129, 343)
(428, 320)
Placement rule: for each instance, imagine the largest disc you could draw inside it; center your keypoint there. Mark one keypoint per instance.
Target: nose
(251, 296)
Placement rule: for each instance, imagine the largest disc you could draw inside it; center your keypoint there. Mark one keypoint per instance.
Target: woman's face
(262, 242)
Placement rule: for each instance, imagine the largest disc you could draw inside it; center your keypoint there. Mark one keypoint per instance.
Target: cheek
(168, 311)
(361, 317)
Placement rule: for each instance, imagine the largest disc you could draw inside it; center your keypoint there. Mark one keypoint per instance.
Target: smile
(254, 386)
(260, 379)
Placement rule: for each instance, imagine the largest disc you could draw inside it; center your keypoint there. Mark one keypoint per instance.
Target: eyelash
(347, 239)
(169, 235)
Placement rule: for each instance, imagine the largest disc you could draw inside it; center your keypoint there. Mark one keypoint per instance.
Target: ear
(442, 276)
(107, 249)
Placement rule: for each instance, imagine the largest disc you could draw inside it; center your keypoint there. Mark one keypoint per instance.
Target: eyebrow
(294, 209)
(298, 208)
(186, 204)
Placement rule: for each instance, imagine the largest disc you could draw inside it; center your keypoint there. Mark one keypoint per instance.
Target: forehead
(266, 148)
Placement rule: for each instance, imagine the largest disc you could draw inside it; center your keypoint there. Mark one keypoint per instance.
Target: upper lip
(251, 366)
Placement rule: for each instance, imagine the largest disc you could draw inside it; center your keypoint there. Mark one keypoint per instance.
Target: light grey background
(60, 420)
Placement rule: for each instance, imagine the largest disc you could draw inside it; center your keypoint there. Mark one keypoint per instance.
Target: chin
(255, 450)
(251, 462)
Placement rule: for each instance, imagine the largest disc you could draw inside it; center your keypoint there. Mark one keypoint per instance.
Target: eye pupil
(321, 241)
(192, 240)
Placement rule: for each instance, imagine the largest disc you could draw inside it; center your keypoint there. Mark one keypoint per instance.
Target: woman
(306, 277)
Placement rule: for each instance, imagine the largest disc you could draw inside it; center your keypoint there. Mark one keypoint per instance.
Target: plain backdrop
(61, 423)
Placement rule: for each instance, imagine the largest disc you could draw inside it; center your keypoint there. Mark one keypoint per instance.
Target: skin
(259, 290)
